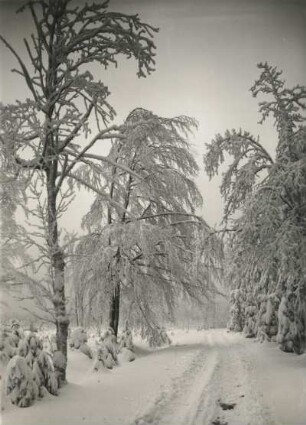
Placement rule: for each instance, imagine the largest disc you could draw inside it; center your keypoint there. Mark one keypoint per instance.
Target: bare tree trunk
(58, 268)
(115, 309)
(76, 313)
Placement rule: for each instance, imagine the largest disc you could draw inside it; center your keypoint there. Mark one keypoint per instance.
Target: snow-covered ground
(207, 377)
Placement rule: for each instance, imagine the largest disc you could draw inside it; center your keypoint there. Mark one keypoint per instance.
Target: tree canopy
(148, 243)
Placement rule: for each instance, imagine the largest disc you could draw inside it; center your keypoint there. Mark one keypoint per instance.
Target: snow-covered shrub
(78, 340)
(107, 350)
(9, 341)
(39, 363)
(78, 337)
(23, 350)
(291, 323)
(250, 321)
(20, 385)
(126, 346)
(126, 340)
(267, 325)
(84, 348)
(261, 318)
(158, 337)
(16, 333)
(286, 324)
(271, 318)
(7, 351)
(236, 322)
(126, 355)
(44, 366)
(59, 363)
(299, 345)
(104, 358)
(110, 342)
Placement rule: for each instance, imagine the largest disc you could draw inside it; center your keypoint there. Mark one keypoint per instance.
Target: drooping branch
(99, 192)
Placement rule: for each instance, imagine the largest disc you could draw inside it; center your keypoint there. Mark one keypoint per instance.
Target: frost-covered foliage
(158, 337)
(126, 339)
(107, 351)
(60, 364)
(85, 349)
(147, 245)
(236, 311)
(40, 362)
(126, 346)
(267, 320)
(249, 328)
(287, 336)
(10, 339)
(78, 337)
(78, 340)
(30, 372)
(109, 340)
(20, 383)
(7, 350)
(45, 374)
(268, 241)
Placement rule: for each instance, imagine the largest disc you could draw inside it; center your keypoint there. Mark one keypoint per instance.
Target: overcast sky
(206, 57)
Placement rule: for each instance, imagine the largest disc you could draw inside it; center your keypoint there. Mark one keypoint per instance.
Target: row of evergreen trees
(267, 243)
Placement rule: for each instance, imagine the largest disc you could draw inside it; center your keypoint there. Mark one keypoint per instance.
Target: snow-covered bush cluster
(107, 349)
(287, 327)
(20, 383)
(9, 340)
(111, 352)
(79, 340)
(30, 370)
(256, 319)
(249, 328)
(236, 310)
(157, 337)
(126, 345)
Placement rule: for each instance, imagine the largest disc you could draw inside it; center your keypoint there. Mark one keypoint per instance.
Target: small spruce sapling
(21, 387)
(286, 324)
(126, 346)
(236, 311)
(107, 350)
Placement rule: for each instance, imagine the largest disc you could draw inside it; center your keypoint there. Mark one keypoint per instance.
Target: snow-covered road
(209, 377)
(217, 388)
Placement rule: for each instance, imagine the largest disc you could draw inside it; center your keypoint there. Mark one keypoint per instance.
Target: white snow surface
(190, 382)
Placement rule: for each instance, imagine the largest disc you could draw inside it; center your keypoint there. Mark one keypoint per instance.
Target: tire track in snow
(181, 403)
(219, 373)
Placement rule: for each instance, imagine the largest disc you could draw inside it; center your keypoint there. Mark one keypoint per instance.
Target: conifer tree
(268, 243)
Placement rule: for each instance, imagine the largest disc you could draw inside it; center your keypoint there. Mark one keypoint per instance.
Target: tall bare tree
(45, 134)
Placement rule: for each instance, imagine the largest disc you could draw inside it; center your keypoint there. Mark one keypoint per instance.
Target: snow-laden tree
(46, 135)
(268, 244)
(147, 244)
(20, 384)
